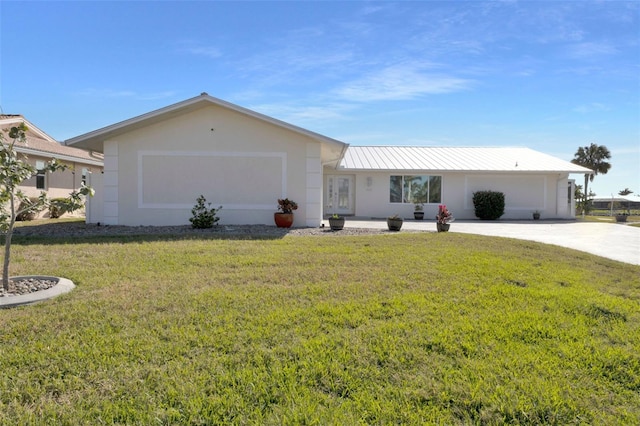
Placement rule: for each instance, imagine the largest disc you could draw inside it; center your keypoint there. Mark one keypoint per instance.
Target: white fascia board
(61, 157)
(29, 125)
(97, 136)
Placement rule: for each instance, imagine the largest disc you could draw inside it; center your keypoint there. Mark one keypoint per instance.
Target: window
(415, 189)
(85, 171)
(40, 175)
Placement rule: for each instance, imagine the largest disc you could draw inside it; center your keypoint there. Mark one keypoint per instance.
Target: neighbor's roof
(619, 198)
(39, 143)
(447, 159)
(94, 140)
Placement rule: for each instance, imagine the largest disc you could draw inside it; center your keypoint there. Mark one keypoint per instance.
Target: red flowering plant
(286, 205)
(444, 215)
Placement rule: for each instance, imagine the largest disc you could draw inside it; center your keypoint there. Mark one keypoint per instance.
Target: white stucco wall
(153, 175)
(524, 194)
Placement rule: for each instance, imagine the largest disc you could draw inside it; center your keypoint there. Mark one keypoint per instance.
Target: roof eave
(58, 156)
(94, 140)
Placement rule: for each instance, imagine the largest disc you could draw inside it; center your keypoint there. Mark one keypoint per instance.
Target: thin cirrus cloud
(304, 113)
(111, 94)
(207, 51)
(400, 83)
(591, 107)
(591, 50)
(196, 48)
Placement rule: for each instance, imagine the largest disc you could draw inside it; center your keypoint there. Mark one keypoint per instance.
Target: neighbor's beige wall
(58, 184)
(157, 172)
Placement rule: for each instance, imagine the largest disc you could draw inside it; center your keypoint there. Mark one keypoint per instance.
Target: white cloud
(210, 52)
(296, 114)
(400, 82)
(589, 50)
(592, 107)
(193, 47)
(112, 93)
(106, 93)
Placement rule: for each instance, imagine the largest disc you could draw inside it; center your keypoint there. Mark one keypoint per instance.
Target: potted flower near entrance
(394, 223)
(284, 217)
(418, 213)
(336, 222)
(443, 218)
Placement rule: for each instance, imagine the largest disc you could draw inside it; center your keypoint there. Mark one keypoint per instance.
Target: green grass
(633, 219)
(415, 328)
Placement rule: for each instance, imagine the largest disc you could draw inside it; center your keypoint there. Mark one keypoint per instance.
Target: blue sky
(548, 75)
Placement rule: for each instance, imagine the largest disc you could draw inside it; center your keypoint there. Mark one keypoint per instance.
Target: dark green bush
(57, 207)
(489, 205)
(203, 215)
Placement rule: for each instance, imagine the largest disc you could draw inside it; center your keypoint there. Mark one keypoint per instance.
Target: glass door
(339, 194)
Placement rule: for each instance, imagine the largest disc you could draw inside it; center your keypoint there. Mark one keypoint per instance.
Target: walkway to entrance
(611, 240)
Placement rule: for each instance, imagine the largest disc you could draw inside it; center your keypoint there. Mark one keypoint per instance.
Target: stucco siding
(240, 163)
(524, 194)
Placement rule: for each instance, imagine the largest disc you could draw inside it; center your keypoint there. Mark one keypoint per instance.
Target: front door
(339, 194)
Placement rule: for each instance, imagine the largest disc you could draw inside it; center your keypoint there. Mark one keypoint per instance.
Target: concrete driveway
(611, 240)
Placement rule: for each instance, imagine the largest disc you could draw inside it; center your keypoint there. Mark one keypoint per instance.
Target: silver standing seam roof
(449, 159)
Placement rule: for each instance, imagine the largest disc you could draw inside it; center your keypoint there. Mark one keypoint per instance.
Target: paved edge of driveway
(64, 286)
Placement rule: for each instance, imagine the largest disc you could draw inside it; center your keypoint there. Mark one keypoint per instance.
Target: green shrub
(28, 209)
(203, 215)
(489, 205)
(57, 207)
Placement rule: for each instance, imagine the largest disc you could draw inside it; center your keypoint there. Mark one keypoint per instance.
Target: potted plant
(418, 213)
(443, 218)
(536, 215)
(621, 217)
(336, 222)
(394, 223)
(284, 217)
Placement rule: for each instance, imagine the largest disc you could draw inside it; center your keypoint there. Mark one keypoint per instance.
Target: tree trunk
(585, 196)
(7, 246)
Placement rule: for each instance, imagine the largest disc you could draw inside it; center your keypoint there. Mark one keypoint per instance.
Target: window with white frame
(414, 189)
(40, 175)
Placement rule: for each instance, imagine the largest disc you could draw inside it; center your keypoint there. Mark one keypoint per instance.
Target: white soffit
(481, 159)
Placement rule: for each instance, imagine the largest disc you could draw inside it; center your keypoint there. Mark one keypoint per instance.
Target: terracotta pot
(283, 220)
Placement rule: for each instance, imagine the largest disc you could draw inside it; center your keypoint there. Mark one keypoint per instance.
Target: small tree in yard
(13, 171)
(204, 216)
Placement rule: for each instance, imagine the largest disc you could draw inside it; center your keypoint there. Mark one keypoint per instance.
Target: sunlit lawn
(634, 220)
(419, 328)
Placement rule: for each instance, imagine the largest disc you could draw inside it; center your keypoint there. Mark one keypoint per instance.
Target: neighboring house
(41, 148)
(157, 164)
(617, 203)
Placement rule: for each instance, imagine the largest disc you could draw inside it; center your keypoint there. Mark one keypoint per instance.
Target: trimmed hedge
(489, 205)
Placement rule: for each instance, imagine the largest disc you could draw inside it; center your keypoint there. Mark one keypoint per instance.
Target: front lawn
(410, 328)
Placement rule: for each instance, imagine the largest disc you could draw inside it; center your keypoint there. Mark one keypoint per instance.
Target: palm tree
(592, 157)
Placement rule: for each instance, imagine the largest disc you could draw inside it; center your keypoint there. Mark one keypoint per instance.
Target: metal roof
(449, 159)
